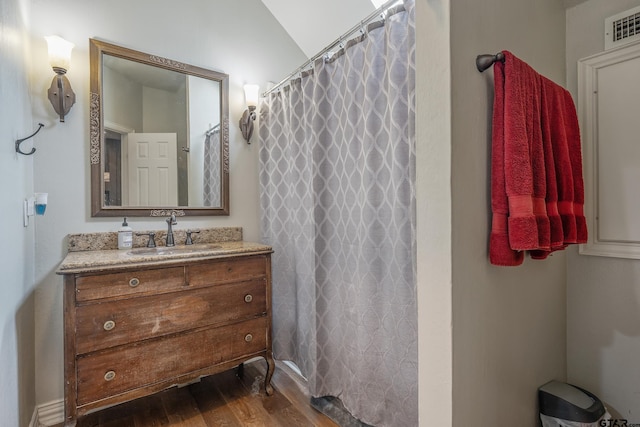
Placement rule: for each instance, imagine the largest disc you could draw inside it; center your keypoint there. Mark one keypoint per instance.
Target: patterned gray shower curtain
(337, 195)
(211, 184)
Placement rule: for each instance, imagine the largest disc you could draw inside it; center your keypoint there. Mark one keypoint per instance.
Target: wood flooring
(223, 400)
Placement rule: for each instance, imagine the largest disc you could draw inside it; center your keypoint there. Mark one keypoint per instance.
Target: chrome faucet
(171, 221)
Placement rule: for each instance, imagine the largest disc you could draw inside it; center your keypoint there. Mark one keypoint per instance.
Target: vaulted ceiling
(314, 24)
(571, 3)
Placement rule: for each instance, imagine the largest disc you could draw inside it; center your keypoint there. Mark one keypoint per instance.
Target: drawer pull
(248, 298)
(109, 376)
(134, 282)
(229, 270)
(109, 325)
(248, 338)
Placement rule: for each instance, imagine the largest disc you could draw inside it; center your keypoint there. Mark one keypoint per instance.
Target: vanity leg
(271, 366)
(70, 368)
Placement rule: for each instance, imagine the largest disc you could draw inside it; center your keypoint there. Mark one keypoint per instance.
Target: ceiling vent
(622, 29)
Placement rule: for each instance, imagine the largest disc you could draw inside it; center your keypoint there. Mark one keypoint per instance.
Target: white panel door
(153, 169)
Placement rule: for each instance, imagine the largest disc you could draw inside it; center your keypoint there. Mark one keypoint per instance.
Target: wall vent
(622, 29)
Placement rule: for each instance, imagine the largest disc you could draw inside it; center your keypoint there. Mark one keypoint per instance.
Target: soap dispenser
(125, 236)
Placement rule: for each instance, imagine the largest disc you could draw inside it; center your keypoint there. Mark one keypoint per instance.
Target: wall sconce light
(249, 115)
(60, 93)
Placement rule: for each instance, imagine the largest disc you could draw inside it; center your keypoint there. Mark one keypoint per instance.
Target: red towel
(536, 174)
(548, 131)
(500, 253)
(572, 129)
(564, 136)
(520, 221)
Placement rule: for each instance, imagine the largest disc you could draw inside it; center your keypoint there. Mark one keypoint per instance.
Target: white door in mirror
(153, 170)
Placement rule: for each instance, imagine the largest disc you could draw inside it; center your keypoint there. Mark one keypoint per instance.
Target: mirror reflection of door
(153, 169)
(112, 169)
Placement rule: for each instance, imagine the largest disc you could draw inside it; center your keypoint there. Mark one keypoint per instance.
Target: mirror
(159, 135)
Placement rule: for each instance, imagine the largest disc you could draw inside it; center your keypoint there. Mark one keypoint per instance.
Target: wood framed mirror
(159, 135)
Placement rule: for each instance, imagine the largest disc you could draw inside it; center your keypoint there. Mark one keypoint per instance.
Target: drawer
(226, 270)
(116, 371)
(132, 283)
(113, 323)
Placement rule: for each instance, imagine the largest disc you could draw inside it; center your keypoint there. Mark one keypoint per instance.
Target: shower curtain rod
(379, 12)
(211, 129)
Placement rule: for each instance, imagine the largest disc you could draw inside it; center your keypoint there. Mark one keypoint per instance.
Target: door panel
(153, 170)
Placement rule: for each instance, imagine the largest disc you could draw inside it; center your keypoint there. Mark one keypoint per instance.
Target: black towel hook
(20, 141)
(485, 61)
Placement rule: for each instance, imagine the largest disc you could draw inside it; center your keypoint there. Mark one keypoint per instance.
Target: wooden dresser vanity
(136, 324)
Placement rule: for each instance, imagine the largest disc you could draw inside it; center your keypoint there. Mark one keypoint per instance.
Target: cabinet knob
(109, 376)
(229, 269)
(248, 338)
(109, 325)
(248, 298)
(134, 282)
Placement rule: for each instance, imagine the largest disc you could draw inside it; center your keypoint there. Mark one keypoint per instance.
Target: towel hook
(20, 141)
(485, 61)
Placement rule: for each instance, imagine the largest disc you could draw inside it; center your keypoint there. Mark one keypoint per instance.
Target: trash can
(565, 405)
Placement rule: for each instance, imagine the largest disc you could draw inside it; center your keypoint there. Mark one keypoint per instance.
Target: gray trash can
(565, 405)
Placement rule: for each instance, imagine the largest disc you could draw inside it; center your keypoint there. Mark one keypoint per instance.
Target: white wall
(239, 38)
(164, 111)
(433, 208)
(124, 108)
(509, 324)
(603, 296)
(17, 249)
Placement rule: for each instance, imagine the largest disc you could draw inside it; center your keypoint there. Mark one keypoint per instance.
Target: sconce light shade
(59, 52)
(60, 93)
(251, 94)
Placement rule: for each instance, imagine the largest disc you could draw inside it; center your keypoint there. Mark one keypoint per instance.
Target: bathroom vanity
(140, 321)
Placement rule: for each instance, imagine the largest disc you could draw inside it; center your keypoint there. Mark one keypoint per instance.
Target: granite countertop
(109, 240)
(92, 252)
(110, 259)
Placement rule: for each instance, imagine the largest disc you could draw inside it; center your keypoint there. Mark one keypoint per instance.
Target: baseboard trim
(48, 414)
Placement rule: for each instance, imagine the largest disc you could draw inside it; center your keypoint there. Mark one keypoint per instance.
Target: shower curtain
(211, 187)
(337, 195)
